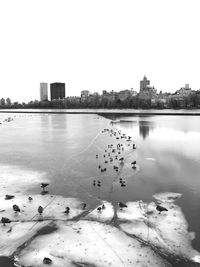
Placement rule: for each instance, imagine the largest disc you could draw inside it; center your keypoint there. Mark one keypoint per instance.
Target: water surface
(64, 147)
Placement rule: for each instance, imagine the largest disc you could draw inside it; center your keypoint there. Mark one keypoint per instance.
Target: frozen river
(62, 148)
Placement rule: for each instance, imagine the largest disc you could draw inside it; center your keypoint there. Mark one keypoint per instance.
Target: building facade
(84, 95)
(144, 84)
(43, 91)
(184, 91)
(146, 91)
(8, 101)
(57, 91)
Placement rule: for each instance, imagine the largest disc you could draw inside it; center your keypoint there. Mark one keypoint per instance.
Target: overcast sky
(98, 45)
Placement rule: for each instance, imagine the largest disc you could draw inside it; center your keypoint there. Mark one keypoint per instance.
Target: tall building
(8, 101)
(144, 84)
(57, 90)
(184, 90)
(2, 101)
(43, 91)
(146, 91)
(84, 95)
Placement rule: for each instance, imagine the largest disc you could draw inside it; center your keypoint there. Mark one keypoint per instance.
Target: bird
(96, 156)
(7, 197)
(16, 208)
(67, 210)
(103, 207)
(94, 183)
(40, 209)
(43, 185)
(160, 208)
(133, 163)
(99, 166)
(5, 220)
(83, 206)
(99, 209)
(122, 205)
(30, 198)
(123, 184)
(47, 261)
(134, 146)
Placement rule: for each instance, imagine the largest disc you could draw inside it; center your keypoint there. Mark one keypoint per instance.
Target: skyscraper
(144, 84)
(43, 91)
(57, 90)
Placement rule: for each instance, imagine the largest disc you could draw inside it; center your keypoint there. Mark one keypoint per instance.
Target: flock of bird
(112, 154)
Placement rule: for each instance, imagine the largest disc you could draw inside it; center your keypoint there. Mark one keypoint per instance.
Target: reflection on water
(145, 127)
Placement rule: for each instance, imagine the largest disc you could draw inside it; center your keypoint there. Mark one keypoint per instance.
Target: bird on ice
(16, 208)
(5, 220)
(67, 210)
(8, 197)
(43, 186)
(40, 210)
(122, 205)
(160, 209)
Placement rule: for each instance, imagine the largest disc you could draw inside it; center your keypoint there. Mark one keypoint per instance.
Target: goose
(160, 209)
(122, 205)
(40, 210)
(67, 210)
(16, 208)
(99, 209)
(133, 163)
(43, 185)
(47, 261)
(8, 197)
(5, 220)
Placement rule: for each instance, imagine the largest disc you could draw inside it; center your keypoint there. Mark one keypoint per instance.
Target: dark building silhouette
(57, 90)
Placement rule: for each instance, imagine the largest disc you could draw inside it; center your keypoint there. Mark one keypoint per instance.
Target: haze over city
(95, 46)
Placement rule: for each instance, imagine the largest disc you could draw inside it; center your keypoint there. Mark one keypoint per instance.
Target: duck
(30, 198)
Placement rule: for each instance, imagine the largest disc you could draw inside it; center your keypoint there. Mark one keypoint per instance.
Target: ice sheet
(89, 242)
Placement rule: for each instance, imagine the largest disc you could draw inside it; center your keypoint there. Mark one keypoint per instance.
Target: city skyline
(96, 46)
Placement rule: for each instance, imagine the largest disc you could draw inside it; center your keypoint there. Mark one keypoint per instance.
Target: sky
(98, 45)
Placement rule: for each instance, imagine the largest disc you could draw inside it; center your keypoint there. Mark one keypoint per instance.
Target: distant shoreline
(116, 112)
